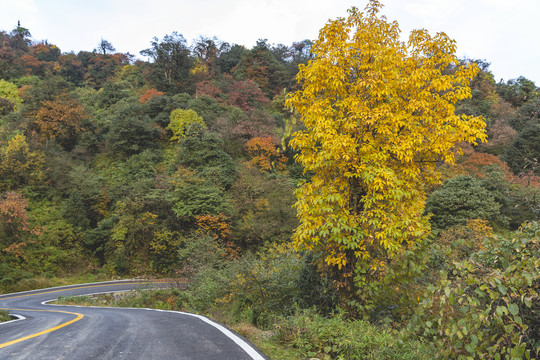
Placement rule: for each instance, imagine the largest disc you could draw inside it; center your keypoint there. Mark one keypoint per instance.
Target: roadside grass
(74, 300)
(4, 316)
(266, 342)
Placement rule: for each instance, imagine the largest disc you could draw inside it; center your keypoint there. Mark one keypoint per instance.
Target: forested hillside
(111, 163)
(181, 166)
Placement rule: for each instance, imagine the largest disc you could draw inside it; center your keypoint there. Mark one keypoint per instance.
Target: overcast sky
(502, 32)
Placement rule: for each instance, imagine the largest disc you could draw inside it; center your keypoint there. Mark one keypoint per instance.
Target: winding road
(57, 332)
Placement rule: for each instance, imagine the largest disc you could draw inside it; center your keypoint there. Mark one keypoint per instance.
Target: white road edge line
(239, 341)
(18, 318)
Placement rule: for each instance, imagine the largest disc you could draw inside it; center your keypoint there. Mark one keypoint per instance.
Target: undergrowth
(4, 316)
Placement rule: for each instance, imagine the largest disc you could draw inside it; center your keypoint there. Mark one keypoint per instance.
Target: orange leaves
(59, 118)
(265, 154)
(13, 210)
(16, 249)
(30, 63)
(15, 227)
(150, 93)
(244, 94)
(218, 227)
(477, 164)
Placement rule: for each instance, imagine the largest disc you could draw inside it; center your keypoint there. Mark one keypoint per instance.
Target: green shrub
(388, 287)
(10, 276)
(208, 287)
(337, 337)
(255, 288)
(265, 285)
(486, 306)
(460, 199)
(314, 289)
(200, 252)
(202, 259)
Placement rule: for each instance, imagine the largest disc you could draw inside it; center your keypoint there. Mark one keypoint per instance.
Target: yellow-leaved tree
(9, 97)
(180, 119)
(378, 116)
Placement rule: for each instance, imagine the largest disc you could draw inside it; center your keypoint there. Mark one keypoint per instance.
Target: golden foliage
(60, 118)
(378, 115)
(18, 165)
(10, 92)
(265, 153)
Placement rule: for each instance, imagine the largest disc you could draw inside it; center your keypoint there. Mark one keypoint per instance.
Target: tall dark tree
(207, 52)
(20, 38)
(202, 151)
(172, 63)
(460, 199)
(230, 56)
(104, 47)
(483, 91)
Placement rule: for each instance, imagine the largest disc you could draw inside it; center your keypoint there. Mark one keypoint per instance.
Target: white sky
(502, 32)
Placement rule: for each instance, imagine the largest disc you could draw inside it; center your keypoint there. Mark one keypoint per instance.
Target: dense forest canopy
(114, 165)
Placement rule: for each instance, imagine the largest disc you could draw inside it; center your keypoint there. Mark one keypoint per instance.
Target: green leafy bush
(337, 337)
(460, 199)
(265, 285)
(255, 288)
(262, 208)
(193, 195)
(486, 306)
(130, 131)
(11, 275)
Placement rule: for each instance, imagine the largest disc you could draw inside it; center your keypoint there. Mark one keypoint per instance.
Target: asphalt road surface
(53, 332)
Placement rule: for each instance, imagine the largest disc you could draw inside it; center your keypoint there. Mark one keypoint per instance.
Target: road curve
(77, 333)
